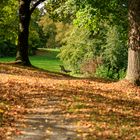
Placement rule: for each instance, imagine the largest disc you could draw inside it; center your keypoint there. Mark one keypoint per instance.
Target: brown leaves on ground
(108, 110)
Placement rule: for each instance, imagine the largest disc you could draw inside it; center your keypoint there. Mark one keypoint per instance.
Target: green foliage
(37, 38)
(9, 21)
(88, 17)
(9, 29)
(7, 49)
(78, 47)
(115, 50)
(61, 10)
(53, 31)
(114, 54)
(87, 13)
(49, 30)
(84, 52)
(95, 29)
(98, 32)
(104, 72)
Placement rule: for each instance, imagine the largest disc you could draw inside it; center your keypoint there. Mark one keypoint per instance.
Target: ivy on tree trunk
(133, 70)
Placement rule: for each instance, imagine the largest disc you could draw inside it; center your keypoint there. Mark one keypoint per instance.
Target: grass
(45, 59)
(7, 59)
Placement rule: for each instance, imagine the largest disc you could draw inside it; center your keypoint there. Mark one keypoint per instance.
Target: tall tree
(26, 8)
(102, 9)
(118, 9)
(133, 71)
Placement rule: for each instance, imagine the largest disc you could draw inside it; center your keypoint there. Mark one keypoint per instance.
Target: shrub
(7, 49)
(79, 48)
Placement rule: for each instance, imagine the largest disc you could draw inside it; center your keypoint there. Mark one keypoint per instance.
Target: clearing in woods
(38, 105)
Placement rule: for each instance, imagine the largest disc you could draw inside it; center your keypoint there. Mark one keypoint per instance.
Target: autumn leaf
(95, 108)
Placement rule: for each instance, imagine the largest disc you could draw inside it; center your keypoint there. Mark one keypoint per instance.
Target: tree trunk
(133, 69)
(24, 21)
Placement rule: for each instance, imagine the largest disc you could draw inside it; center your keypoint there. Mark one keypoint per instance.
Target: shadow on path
(46, 123)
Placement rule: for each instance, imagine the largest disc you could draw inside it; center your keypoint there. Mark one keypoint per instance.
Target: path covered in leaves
(37, 105)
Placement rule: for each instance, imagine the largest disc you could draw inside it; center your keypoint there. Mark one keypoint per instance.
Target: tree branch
(35, 5)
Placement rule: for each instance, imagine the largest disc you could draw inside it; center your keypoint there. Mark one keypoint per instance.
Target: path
(48, 123)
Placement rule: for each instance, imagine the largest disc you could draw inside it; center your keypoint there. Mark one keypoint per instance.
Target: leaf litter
(95, 108)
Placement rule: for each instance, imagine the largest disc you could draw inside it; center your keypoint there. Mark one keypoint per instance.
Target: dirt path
(47, 123)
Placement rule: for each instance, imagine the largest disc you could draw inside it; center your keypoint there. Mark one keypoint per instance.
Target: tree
(37, 37)
(8, 28)
(101, 10)
(9, 21)
(133, 70)
(26, 8)
(118, 9)
(54, 31)
(95, 18)
(114, 53)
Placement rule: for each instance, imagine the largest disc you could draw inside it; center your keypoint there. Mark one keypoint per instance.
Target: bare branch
(35, 5)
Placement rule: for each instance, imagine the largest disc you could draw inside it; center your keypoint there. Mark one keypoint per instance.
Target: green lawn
(46, 59)
(7, 59)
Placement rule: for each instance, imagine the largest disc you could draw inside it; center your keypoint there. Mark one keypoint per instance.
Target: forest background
(92, 40)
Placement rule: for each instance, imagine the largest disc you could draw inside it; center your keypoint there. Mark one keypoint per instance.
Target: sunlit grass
(7, 59)
(47, 61)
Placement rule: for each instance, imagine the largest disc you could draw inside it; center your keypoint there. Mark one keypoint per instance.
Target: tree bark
(24, 21)
(133, 69)
(25, 11)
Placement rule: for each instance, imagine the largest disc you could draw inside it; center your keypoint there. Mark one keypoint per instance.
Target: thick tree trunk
(133, 70)
(24, 21)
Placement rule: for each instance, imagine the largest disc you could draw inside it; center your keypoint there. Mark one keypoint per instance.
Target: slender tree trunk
(133, 69)
(24, 21)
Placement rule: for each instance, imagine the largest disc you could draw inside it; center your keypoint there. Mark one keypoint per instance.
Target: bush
(114, 55)
(7, 49)
(104, 72)
(79, 48)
